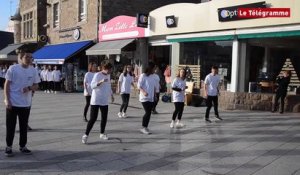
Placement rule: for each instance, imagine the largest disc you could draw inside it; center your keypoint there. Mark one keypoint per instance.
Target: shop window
(55, 15)
(82, 10)
(28, 25)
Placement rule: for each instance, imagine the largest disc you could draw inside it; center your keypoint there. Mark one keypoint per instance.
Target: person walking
(167, 74)
(146, 85)
(157, 91)
(283, 83)
(56, 79)
(21, 80)
(101, 86)
(87, 92)
(126, 80)
(211, 89)
(178, 94)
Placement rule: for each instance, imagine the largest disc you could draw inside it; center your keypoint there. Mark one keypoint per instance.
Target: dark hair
(125, 71)
(91, 66)
(149, 70)
(107, 66)
(215, 67)
(178, 73)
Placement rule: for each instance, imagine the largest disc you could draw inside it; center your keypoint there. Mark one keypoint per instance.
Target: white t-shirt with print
(212, 81)
(147, 83)
(101, 94)
(56, 75)
(88, 77)
(126, 82)
(20, 78)
(178, 96)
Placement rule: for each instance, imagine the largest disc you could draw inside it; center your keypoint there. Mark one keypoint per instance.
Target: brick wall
(27, 6)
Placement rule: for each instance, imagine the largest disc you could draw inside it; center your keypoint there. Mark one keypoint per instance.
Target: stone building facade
(71, 28)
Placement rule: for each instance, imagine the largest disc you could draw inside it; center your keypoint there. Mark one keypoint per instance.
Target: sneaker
(45, 91)
(179, 125)
(218, 117)
(84, 139)
(154, 112)
(172, 124)
(145, 131)
(8, 152)
(119, 114)
(25, 150)
(48, 91)
(55, 92)
(103, 136)
(124, 115)
(208, 120)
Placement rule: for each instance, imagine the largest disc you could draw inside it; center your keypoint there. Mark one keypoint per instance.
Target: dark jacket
(283, 83)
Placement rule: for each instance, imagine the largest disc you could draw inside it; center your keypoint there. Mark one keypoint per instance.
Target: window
(55, 15)
(82, 10)
(28, 25)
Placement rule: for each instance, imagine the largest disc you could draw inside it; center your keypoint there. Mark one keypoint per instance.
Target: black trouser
(156, 99)
(94, 116)
(179, 106)
(44, 85)
(148, 106)
(11, 120)
(56, 85)
(125, 102)
(2, 80)
(282, 96)
(87, 105)
(50, 85)
(209, 101)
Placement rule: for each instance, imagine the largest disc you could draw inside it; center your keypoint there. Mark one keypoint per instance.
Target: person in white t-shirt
(125, 82)
(56, 79)
(49, 77)
(146, 85)
(178, 87)
(87, 92)
(101, 86)
(211, 88)
(21, 80)
(44, 78)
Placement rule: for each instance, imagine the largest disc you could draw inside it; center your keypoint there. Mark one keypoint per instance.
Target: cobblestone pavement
(244, 143)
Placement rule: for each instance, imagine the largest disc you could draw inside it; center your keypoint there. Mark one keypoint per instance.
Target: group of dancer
(97, 90)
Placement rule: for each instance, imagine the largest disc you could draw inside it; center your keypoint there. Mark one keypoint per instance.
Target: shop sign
(231, 13)
(142, 20)
(120, 27)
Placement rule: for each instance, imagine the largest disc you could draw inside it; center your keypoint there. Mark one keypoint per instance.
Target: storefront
(121, 42)
(70, 59)
(249, 51)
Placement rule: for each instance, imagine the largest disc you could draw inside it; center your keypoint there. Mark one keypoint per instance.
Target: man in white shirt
(56, 79)
(21, 80)
(211, 89)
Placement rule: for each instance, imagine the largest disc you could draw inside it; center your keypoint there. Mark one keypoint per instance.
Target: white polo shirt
(178, 83)
(56, 75)
(20, 78)
(147, 83)
(49, 76)
(212, 81)
(126, 82)
(100, 94)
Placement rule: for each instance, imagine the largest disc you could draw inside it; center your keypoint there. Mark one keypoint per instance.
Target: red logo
(264, 12)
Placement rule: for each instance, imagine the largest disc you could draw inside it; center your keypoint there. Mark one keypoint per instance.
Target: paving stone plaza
(244, 143)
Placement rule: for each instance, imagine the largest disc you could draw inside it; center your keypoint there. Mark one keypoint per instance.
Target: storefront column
(266, 60)
(235, 66)
(243, 74)
(142, 52)
(175, 55)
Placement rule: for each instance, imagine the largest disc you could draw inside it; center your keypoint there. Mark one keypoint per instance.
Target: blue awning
(57, 54)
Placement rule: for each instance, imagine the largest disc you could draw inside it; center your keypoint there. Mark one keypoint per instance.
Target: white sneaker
(124, 115)
(179, 125)
(145, 131)
(55, 92)
(45, 91)
(48, 91)
(172, 124)
(84, 139)
(119, 114)
(103, 136)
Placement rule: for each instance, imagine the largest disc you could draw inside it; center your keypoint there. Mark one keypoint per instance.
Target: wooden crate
(195, 70)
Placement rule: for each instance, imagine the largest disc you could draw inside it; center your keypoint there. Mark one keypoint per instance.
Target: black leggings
(11, 120)
(94, 116)
(125, 102)
(147, 107)
(179, 106)
(281, 96)
(209, 101)
(87, 105)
